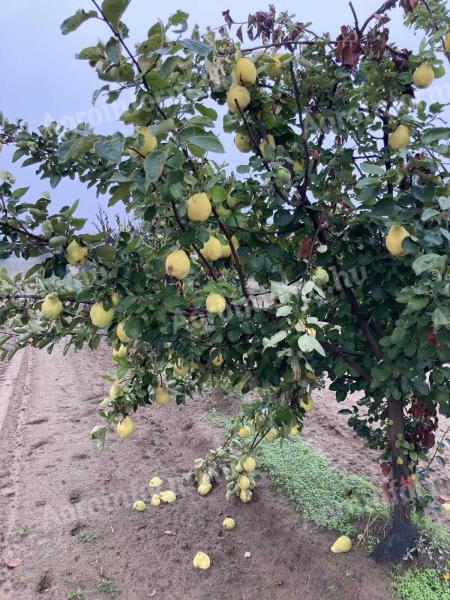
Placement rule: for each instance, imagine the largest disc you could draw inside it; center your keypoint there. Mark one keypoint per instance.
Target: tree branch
(119, 37)
(258, 151)
(383, 8)
(196, 248)
(355, 17)
(304, 186)
(355, 310)
(237, 264)
(335, 351)
(427, 6)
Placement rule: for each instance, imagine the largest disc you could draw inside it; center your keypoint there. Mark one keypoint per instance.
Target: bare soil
(54, 482)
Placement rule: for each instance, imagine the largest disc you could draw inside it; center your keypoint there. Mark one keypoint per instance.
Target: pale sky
(41, 80)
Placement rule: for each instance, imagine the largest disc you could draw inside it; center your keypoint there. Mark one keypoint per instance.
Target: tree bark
(401, 498)
(403, 532)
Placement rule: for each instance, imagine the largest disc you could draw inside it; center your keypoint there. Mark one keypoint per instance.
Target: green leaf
(73, 208)
(114, 9)
(113, 50)
(134, 326)
(19, 153)
(206, 111)
(106, 252)
(72, 23)
(372, 169)
(444, 203)
(195, 46)
(120, 193)
(19, 192)
(441, 317)
(219, 194)
(74, 148)
(124, 72)
(154, 165)
(274, 340)
(155, 82)
(441, 460)
(160, 129)
(205, 140)
(429, 262)
(308, 343)
(284, 311)
(445, 233)
(111, 148)
(429, 213)
(424, 193)
(435, 134)
(178, 18)
(283, 292)
(417, 303)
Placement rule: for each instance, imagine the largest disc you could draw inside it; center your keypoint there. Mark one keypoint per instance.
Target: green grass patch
(422, 584)
(433, 531)
(215, 417)
(320, 493)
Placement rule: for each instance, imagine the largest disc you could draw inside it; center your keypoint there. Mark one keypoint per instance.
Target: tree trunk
(402, 533)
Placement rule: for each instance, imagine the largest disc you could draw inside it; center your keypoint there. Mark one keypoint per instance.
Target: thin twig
(196, 248)
(383, 8)
(435, 452)
(335, 351)
(427, 6)
(119, 37)
(258, 151)
(355, 17)
(237, 264)
(304, 186)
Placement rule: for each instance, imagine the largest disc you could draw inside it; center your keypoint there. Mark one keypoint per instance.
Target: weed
(23, 531)
(422, 584)
(107, 586)
(322, 494)
(87, 537)
(75, 595)
(215, 417)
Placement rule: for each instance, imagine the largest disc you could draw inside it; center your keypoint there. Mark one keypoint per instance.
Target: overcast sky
(42, 81)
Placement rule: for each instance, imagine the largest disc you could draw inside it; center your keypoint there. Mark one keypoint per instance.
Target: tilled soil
(84, 535)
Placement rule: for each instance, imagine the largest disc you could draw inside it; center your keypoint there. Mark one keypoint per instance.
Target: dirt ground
(54, 482)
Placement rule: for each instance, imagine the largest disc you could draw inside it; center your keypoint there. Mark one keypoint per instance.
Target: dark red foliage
(269, 27)
(386, 468)
(421, 433)
(306, 247)
(228, 20)
(377, 41)
(348, 49)
(409, 5)
(432, 338)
